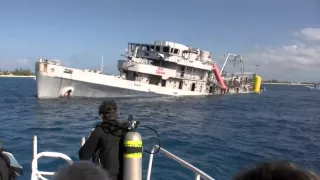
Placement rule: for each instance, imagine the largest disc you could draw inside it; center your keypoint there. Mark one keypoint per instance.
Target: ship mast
(101, 64)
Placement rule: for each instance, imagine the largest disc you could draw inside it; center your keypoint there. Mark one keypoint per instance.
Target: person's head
(108, 110)
(82, 170)
(280, 170)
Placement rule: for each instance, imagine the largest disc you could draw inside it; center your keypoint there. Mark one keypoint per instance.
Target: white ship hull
(53, 83)
(53, 87)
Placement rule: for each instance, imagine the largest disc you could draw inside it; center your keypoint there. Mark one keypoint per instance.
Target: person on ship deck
(106, 139)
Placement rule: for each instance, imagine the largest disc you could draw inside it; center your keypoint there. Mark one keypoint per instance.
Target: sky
(281, 36)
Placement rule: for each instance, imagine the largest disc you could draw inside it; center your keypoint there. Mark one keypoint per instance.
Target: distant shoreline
(289, 84)
(15, 76)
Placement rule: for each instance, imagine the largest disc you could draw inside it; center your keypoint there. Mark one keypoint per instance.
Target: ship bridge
(172, 52)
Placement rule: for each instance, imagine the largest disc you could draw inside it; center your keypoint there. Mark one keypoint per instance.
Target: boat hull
(55, 87)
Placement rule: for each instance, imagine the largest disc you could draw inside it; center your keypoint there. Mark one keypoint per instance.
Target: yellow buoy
(257, 84)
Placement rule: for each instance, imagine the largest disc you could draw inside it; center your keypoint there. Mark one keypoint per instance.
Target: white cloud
(312, 34)
(298, 62)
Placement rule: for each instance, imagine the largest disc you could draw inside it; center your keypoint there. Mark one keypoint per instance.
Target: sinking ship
(161, 68)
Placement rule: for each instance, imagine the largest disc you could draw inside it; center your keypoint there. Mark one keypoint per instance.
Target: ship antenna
(101, 64)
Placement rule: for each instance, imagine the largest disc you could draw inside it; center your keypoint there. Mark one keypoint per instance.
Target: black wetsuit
(107, 138)
(6, 173)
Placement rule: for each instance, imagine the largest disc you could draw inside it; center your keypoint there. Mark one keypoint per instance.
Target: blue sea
(221, 135)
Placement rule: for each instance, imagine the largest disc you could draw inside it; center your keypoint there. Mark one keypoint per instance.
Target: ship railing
(47, 61)
(36, 174)
(187, 76)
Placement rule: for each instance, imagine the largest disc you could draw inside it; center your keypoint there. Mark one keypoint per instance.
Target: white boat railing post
(150, 163)
(197, 176)
(35, 149)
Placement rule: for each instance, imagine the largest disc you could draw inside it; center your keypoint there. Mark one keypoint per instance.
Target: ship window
(176, 51)
(193, 86)
(180, 84)
(148, 48)
(136, 46)
(157, 48)
(152, 48)
(171, 50)
(165, 49)
(163, 83)
(211, 89)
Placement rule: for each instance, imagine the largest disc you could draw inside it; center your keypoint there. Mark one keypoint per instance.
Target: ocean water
(221, 135)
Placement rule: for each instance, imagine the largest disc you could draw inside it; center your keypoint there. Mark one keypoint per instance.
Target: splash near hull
(216, 72)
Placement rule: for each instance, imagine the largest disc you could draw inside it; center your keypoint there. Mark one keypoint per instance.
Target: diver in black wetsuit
(7, 170)
(107, 139)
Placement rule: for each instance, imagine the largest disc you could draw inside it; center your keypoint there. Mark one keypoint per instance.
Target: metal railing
(36, 174)
(198, 173)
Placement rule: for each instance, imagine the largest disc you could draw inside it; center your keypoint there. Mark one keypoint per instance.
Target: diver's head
(108, 110)
(281, 170)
